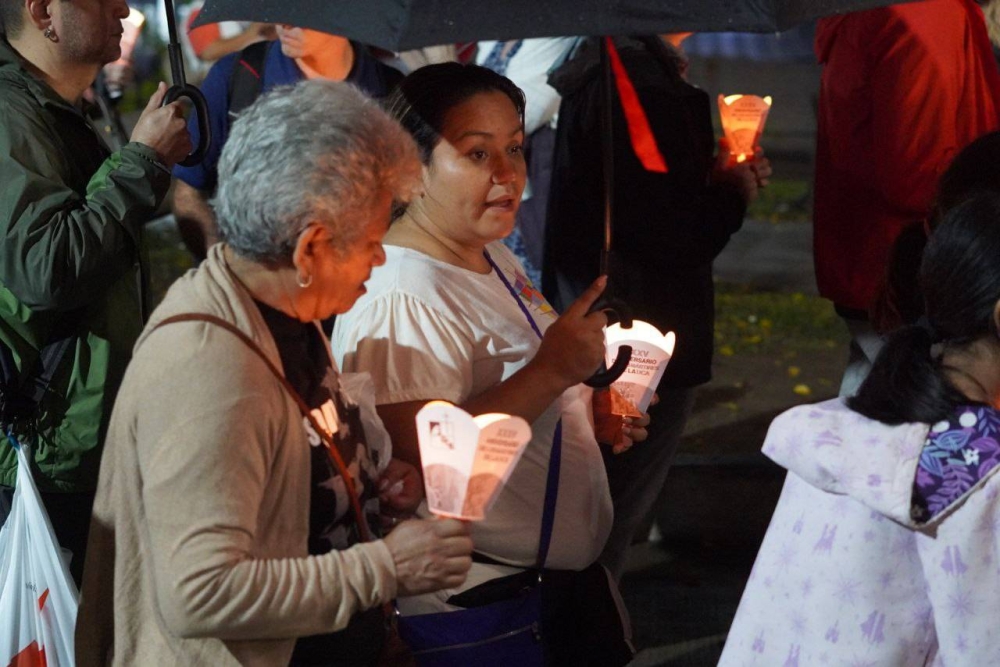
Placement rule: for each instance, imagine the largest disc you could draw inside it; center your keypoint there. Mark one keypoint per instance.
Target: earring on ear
(50, 34)
(303, 282)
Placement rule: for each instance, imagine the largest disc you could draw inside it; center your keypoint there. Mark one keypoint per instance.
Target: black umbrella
(398, 25)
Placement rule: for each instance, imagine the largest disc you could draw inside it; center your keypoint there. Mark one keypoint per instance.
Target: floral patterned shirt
(959, 451)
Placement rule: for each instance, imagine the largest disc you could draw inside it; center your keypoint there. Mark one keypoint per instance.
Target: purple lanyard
(555, 457)
(513, 293)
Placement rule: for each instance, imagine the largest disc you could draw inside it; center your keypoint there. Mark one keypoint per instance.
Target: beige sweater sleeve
(207, 464)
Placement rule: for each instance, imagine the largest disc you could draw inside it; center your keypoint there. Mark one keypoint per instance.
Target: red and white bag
(38, 599)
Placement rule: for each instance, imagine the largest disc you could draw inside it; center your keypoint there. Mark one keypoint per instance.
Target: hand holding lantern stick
(741, 160)
(747, 176)
(617, 422)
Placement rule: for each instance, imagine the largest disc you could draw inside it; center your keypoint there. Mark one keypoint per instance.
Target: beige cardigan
(197, 551)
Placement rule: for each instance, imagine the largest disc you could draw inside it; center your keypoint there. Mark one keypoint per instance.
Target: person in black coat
(668, 228)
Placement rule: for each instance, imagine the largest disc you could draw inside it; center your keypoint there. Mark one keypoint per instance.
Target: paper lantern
(467, 460)
(131, 26)
(651, 352)
(743, 119)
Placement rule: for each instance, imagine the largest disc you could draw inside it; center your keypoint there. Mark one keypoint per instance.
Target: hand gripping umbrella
(614, 308)
(181, 88)
(399, 25)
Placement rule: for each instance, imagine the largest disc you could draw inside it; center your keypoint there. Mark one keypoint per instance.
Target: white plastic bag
(38, 599)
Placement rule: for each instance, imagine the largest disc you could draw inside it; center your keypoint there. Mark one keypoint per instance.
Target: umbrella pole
(607, 152)
(181, 88)
(174, 46)
(615, 309)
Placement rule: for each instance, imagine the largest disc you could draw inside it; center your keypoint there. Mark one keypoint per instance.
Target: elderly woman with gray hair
(238, 499)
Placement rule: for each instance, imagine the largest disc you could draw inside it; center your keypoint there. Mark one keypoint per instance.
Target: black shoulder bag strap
(247, 79)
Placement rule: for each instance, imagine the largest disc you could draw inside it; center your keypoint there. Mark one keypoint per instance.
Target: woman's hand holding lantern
(747, 176)
(615, 429)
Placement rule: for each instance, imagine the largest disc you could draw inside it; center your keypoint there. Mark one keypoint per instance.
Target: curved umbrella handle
(200, 105)
(616, 310)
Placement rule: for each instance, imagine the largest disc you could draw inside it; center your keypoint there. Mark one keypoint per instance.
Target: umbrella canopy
(398, 25)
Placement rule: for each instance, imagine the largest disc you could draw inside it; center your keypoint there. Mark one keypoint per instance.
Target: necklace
(454, 257)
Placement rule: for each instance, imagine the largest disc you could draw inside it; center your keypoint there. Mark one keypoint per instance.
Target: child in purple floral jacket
(885, 545)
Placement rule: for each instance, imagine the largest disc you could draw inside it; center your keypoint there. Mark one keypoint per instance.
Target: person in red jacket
(903, 89)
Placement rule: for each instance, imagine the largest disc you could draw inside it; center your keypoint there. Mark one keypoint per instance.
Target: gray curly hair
(317, 151)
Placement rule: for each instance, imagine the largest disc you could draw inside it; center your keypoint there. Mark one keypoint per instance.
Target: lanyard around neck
(513, 293)
(555, 456)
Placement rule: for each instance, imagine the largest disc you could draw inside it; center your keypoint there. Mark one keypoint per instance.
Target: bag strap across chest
(331, 447)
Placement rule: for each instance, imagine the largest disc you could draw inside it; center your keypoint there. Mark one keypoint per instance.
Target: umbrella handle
(616, 310)
(176, 92)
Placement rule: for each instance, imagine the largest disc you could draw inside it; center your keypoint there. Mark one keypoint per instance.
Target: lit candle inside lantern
(651, 352)
(743, 119)
(467, 460)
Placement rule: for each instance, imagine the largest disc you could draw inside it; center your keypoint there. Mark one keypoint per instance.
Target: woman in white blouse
(452, 316)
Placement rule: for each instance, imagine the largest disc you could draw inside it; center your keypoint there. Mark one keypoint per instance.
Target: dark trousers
(636, 476)
(70, 517)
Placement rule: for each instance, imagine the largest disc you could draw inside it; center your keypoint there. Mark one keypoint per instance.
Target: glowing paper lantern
(651, 352)
(115, 73)
(743, 118)
(467, 460)
(131, 26)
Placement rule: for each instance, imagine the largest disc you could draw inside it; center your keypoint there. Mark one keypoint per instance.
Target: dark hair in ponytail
(960, 281)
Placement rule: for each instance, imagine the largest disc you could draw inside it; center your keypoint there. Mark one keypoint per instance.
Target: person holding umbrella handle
(452, 316)
(182, 89)
(615, 310)
(71, 215)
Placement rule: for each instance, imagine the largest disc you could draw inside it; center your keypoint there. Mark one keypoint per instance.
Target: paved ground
(683, 590)
(769, 256)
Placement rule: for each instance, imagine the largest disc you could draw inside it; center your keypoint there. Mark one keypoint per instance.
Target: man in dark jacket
(668, 229)
(71, 214)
